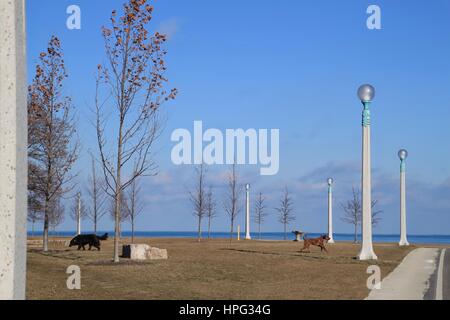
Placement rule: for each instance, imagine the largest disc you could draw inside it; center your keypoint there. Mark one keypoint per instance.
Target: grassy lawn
(212, 269)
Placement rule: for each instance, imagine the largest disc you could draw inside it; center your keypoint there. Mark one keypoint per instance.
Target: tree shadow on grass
(60, 254)
(305, 256)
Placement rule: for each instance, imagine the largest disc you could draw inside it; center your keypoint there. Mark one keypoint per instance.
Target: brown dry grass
(212, 269)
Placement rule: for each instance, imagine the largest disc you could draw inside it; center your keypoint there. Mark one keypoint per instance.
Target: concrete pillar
(367, 252)
(403, 237)
(13, 150)
(330, 210)
(247, 216)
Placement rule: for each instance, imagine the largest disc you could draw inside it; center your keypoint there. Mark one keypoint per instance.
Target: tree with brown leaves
(52, 147)
(136, 89)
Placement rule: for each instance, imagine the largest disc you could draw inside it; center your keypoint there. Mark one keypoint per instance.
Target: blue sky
(294, 66)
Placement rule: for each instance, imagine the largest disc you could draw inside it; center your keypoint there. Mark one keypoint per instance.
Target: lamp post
(330, 209)
(403, 154)
(247, 216)
(78, 214)
(13, 144)
(366, 93)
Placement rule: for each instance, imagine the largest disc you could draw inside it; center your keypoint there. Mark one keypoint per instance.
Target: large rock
(135, 251)
(143, 252)
(157, 254)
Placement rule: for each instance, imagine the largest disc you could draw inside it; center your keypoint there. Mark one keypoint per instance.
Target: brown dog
(319, 242)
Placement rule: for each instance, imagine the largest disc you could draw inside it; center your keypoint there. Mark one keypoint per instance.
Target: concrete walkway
(446, 276)
(411, 279)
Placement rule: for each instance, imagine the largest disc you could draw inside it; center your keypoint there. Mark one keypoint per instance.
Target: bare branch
(285, 210)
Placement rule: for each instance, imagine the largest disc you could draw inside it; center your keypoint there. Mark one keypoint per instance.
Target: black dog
(88, 239)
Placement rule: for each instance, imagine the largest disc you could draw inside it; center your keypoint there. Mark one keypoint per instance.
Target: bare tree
(97, 197)
(52, 149)
(285, 210)
(79, 210)
(231, 203)
(376, 218)
(260, 212)
(353, 212)
(198, 198)
(135, 84)
(135, 206)
(211, 207)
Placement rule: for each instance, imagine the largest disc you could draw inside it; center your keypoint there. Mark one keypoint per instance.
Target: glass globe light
(403, 154)
(330, 181)
(366, 93)
(247, 186)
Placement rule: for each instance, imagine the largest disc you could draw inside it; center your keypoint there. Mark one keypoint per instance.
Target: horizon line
(242, 232)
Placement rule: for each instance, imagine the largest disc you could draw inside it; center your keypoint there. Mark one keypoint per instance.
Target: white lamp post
(78, 214)
(330, 210)
(247, 216)
(13, 146)
(366, 93)
(403, 154)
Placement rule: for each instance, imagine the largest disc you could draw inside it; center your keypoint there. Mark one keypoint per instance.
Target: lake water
(413, 239)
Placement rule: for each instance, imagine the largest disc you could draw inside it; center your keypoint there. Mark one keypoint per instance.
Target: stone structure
(143, 252)
(13, 150)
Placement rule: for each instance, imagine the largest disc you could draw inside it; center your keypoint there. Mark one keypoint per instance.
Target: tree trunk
(285, 235)
(259, 230)
(45, 240)
(132, 230)
(209, 227)
(118, 194)
(32, 229)
(356, 234)
(199, 228)
(46, 233)
(116, 228)
(231, 231)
